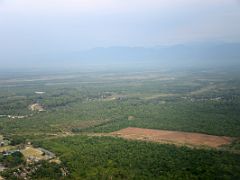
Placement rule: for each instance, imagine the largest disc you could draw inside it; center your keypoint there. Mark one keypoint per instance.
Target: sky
(43, 26)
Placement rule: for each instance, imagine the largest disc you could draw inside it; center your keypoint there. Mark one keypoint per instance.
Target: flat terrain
(175, 137)
(87, 121)
(36, 107)
(32, 152)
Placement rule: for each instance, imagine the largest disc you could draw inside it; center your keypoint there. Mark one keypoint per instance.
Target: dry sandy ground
(36, 107)
(32, 152)
(175, 137)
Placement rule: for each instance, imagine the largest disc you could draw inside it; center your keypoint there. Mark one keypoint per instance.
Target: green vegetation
(40, 170)
(47, 171)
(106, 158)
(12, 160)
(79, 103)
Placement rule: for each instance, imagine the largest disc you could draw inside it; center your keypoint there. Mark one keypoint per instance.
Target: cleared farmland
(175, 137)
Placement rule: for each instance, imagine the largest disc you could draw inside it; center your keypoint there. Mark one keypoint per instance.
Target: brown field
(32, 152)
(174, 137)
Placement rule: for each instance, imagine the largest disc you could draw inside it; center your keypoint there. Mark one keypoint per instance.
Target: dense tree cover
(9, 174)
(47, 170)
(16, 140)
(219, 118)
(106, 158)
(39, 170)
(12, 160)
(103, 102)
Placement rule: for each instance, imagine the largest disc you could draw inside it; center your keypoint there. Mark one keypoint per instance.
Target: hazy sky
(42, 26)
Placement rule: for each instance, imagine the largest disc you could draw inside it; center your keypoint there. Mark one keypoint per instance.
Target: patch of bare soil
(33, 154)
(174, 137)
(203, 90)
(130, 118)
(36, 107)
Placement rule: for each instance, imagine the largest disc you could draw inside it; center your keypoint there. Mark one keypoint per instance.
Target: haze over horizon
(33, 31)
(119, 89)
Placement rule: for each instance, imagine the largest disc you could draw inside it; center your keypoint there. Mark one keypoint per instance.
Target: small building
(2, 143)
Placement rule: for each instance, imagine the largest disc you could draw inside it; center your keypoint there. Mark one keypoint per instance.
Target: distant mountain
(195, 54)
(177, 55)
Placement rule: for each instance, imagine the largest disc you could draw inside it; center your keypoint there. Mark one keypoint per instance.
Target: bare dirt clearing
(203, 90)
(37, 154)
(175, 137)
(32, 152)
(36, 107)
